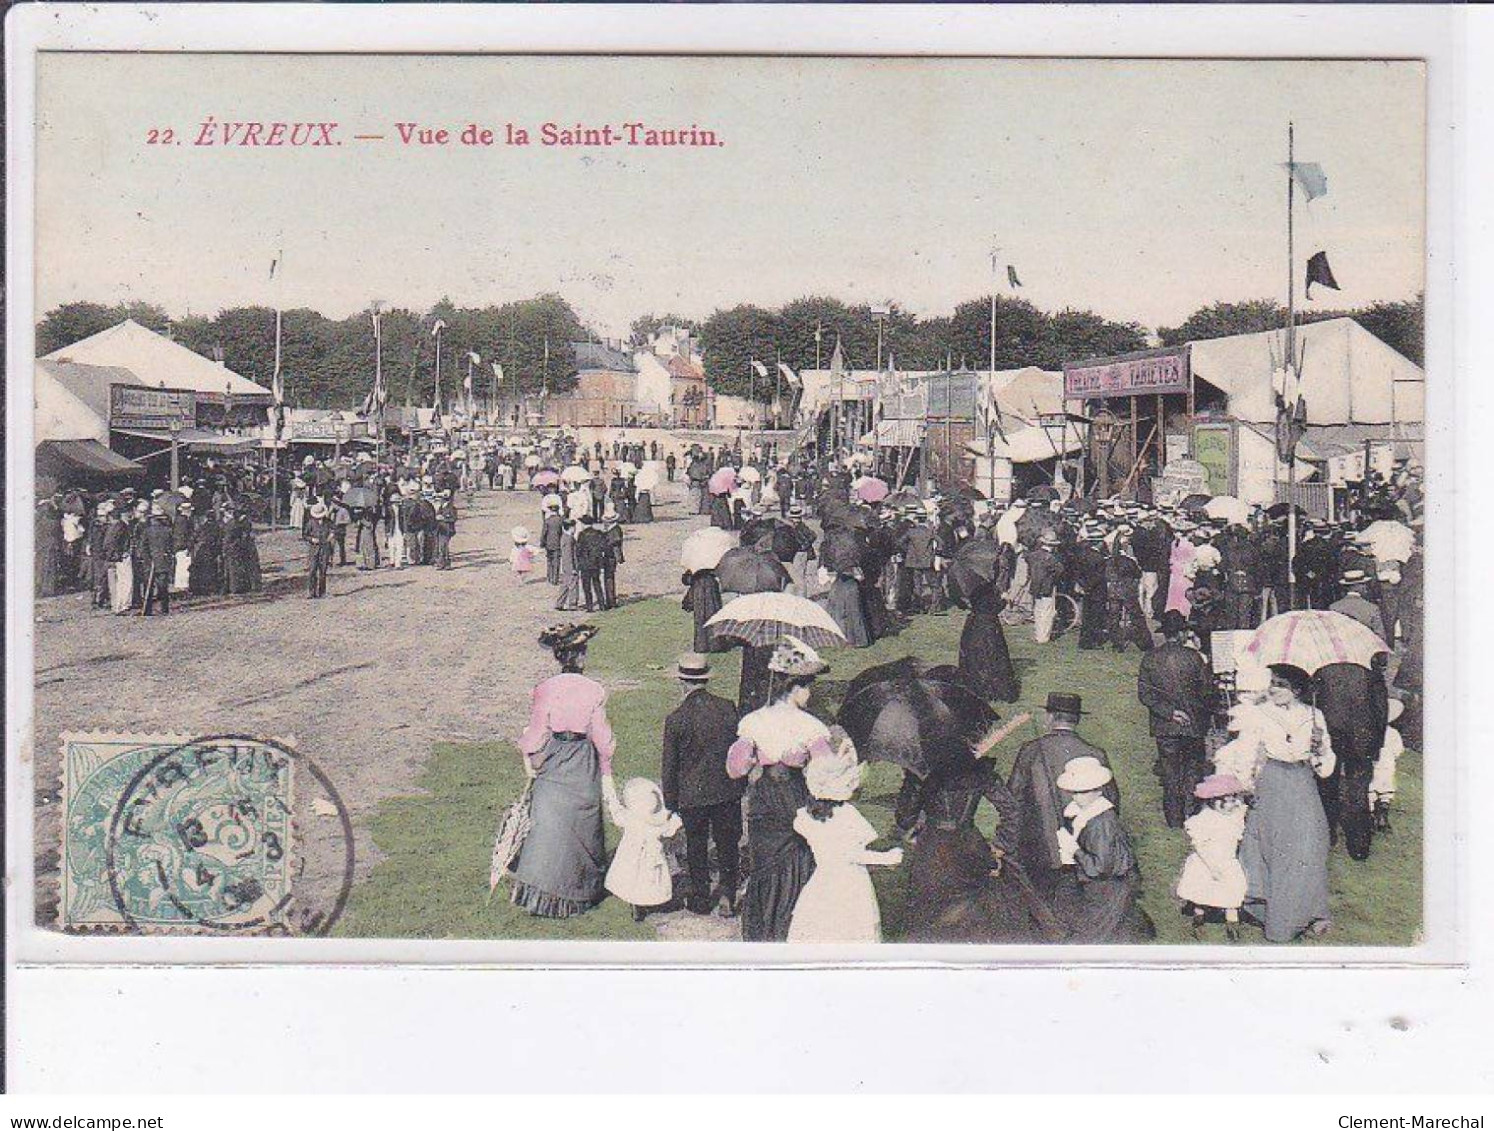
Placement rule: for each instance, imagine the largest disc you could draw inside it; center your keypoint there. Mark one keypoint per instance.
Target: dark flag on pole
(1319, 272)
(1011, 277)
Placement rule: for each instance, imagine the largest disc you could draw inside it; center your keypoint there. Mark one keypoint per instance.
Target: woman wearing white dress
(839, 903)
(1285, 848)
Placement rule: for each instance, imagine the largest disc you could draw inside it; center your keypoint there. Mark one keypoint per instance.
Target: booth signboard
(952, 395)
(138, 406)
(1214, 448)
(1148, 373)
(339, 430)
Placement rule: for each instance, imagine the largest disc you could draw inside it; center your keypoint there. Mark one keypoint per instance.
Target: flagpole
(276, 431)
(991, 380)
(1291, 367)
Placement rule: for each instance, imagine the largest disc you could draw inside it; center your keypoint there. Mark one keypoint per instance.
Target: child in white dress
(521, 557)
(1212, 876)
(1382, 784)
(838, 904)
(639, 874)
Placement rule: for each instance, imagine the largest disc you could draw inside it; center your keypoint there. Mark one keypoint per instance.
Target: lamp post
(1102, 432)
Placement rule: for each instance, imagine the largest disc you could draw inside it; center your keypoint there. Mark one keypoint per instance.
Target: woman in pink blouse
(567, 748)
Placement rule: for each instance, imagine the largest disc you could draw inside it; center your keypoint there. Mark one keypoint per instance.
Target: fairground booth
(1201, 417)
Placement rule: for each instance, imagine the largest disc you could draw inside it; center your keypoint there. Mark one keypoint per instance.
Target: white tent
(1349, 376)
(158, 362)
(68, 401)
(1027, 393)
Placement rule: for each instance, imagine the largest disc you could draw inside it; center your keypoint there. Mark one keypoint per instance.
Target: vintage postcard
(859, 504)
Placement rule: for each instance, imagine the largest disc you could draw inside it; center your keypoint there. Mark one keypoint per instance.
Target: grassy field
(434, 880)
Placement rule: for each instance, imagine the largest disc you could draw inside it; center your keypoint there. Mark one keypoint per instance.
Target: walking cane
(150, 582)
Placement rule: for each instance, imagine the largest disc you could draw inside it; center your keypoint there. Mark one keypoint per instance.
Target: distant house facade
(606, 391)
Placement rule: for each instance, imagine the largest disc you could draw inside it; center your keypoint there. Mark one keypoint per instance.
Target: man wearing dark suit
(697, 735)
(591, 554)
(1034, 780)
(1356, 706)
(1177, 689)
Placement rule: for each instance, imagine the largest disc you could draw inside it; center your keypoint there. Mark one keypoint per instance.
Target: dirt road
(363, 682)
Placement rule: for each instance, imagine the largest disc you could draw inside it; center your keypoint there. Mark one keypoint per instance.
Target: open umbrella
(697, 472)
(1281, 510)
(1195, 503)
(741, 570)
(841, 550)
(647, 479)
(723, 481)
(974, 565)
(1228, 508)
(1314, 638)
(1389, 541)
(750, 475)
(870, 489)
(704, 548)
(360, 497)
(924, 725)
(531, 461)
(546, 478)
(763, 619)
(575, 474)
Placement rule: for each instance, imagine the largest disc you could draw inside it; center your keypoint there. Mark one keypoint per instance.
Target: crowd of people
(1262, 769)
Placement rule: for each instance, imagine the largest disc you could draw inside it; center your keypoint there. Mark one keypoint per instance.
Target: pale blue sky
(1140, 189)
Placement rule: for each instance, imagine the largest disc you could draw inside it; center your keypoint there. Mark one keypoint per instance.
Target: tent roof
(1028, 392)
(155, 361)
(88, 457)
(72, 401)
(1031, 445)
(1349, 376)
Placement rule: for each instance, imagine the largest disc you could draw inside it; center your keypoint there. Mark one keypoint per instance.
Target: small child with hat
(639, 874)
(521, 557)
(1213, 877)
(1096, 895)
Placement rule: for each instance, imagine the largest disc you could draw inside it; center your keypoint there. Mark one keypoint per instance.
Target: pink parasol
(870, 489)
(723, 482)
(547, 478)
(1313, 638)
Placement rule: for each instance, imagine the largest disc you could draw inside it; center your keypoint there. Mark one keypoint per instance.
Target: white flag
(438, 327)
(497, 371)
(759, 368)
(476, 358)
(788, 374)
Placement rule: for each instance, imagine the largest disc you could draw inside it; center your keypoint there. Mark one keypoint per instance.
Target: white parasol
(1389, 541)
(750, 475)
(575, 474)
(705, 548)
(1313, 638)
(762, 619)
(1228, 508)
(647, 479)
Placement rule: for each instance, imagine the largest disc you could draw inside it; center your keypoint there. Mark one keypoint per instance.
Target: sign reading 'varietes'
(1130, 375)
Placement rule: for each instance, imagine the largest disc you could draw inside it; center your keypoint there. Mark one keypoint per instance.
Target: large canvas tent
(158, 362)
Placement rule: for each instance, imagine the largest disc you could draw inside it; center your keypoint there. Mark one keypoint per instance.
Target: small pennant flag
(475, 357)
(759, 368)
(438, 327)
(375, 316)
(1011, 277)
(275, 264)
(788, 374)
(1319, 272)
(1310, 175)
(497, 371)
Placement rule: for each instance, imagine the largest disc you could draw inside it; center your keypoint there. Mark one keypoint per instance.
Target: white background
(120, 1029)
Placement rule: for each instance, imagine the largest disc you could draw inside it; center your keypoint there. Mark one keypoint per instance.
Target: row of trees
(330, 362)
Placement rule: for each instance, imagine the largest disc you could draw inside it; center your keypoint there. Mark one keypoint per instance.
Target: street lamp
(1102, 433)
(175, 428)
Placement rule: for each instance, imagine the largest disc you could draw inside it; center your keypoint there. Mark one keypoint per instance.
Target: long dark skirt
(1285, 851)
(952, 896)
(781, 861)
(643, 509)
(985, 659)
(243, 565)
(1102, 911)
(561, 867)
(843, 602)
(205, 574)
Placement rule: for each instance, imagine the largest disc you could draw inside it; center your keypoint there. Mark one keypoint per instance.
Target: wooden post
(1135, 440)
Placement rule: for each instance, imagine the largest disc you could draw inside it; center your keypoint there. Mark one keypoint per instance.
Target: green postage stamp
(167, 833)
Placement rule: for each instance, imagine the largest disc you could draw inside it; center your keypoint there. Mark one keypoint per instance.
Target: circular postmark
(214, 834)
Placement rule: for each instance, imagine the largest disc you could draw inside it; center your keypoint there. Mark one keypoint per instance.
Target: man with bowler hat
(1034, 781)
(697, 735)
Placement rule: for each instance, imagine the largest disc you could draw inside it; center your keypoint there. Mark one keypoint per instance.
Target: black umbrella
(1281, 510)
(360, 497)
(924, 725)
(741, 570)
(1195, 503)
(841, 551)
(975, 564)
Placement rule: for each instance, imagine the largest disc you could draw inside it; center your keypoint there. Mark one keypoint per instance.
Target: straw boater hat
(318, 509)
(550, 503)
(793, 657)
(1353, 577)
(1049, 537)
(693, 667)
(1084, 774)
(520, 535)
